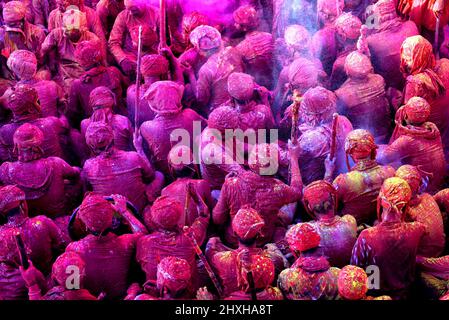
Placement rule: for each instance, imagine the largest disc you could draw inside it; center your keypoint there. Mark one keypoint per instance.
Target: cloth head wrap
(164, 97)
(418, 51)
(318, 104)
(154, 65)
(297, 37)
(357, 65)
(246, 16)
(99, 136)
(165, 213)
(319, 196)
(247, 223)
(96, 213)
(394, 192)
(223, 118)
(61, 267)
(352, 283)
(241, 86)
(10, 194)
(416, 111)
(101, 97)
(205, 38)
(13, 11)
(24, 100)
(302, 237)
(303, 74)
(411, 174)
(23, 63)
(173, 274)
(360, 141)
(348, 26)
(179, 157)
(192, 20)
(264, 157)
(88, 53)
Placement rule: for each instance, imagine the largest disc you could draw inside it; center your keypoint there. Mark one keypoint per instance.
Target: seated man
(311, 277)
(259, 189)
(338, 234)
(357, 190)
(51, 186)
(108, 257)
(423, 208)
(113, 171)
(416, 142)
(392, 245)
(25, 107)
(42, 238)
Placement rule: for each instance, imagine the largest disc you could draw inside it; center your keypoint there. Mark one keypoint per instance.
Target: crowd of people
(238, 149)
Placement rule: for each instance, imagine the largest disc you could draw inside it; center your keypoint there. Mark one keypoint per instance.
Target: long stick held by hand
(22, 252)
(137, 102)
(162, 24)
(436, 41)
(334, 136)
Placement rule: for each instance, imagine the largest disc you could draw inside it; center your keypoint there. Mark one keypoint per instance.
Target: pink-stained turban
(96, 213)
(165, 213)
(164, 97)
(241, 86)
(247, 223)
(205, 38)
(302, 237)
(154, 65)
(352, 283)
(23, 63)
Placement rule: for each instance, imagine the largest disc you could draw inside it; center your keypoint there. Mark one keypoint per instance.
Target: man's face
(73, 34)
(136, 8)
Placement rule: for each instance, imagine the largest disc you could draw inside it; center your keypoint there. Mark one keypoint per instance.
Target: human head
(65, 265)
(89, 54)
(264, 159)
(352, 283)
(164, 97)
(241, 86)
(206, 39)
(394, 196)
(302, 75)
(358, 66)
(328, 10)
(360, 145)
(74, 23)
(14, 16)
(247, 224)
(24, 101)
(135, 7)
(96, 213)
(99, 137)
(318, 105)
(412, 176)
(12, 201)
(101, 98)
(180, 161)
(386, 10)
(416, 111)
(23, 64)
(192, 20)
(246, 18)
(297, 38)
(302, 237)
(173, 274)
(416, 55)
(320, 198)
(165, 214)
(348, 27)
(28, 140)
(222, 118)
(154, 65)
